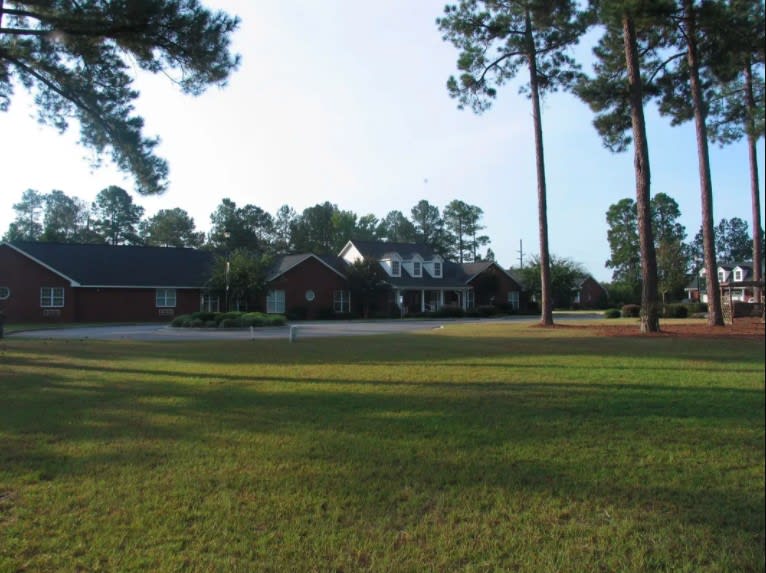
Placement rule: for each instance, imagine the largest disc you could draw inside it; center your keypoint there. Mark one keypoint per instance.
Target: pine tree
(495, 40)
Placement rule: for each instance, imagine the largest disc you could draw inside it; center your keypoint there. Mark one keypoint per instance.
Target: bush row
(681, 310)
(227, 320)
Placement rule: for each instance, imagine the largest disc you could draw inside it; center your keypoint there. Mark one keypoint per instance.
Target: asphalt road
(308, 329)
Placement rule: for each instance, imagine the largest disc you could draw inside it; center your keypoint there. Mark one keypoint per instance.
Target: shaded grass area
(470, 448)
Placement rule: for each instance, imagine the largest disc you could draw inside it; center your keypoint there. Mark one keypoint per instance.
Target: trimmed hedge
(612, 313)
(675, 311)
(631, 311)
(234, 319)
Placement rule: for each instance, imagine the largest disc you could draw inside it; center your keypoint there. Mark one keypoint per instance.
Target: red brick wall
(591, 294)
(311, 274)
(24, 278)
(492, 286)
(130, 305)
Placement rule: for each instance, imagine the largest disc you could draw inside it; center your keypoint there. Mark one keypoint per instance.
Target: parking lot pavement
(308, 329)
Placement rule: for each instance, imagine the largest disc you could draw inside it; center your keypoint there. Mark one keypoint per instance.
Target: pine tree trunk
(546, 303)
(714, 314)
(754, 183)
(650, 321)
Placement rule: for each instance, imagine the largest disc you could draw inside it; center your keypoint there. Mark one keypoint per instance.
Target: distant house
(94, 283)
(589, 293)
(420, 280)
(730, 276)
(307, 286)
(105, 283)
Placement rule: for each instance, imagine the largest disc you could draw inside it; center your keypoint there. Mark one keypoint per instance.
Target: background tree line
(677, 258)
(113, 218)
(700, 61)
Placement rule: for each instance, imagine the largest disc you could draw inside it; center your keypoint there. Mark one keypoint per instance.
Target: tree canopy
(78, 59)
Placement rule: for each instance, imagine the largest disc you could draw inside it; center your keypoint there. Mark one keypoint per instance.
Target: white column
(422, 300)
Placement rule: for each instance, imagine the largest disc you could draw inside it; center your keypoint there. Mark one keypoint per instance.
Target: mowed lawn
(469, 448)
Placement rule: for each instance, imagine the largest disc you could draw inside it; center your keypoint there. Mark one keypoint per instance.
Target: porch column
(423, 300)
(441, 297)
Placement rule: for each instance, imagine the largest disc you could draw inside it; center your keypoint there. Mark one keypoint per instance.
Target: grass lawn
(470, 448)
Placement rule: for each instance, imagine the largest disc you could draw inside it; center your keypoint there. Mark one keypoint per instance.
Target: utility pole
(521, 254)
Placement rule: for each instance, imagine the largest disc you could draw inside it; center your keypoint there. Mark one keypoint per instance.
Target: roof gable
(287, 262)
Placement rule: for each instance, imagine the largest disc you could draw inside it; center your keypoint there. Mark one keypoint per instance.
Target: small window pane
(52, 297)
(416, 269)
(166, 297)
(275, 302)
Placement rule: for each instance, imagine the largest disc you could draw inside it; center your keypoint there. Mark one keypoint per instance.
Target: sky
(346, 101)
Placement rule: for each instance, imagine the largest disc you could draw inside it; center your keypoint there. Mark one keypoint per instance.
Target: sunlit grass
(489, 447)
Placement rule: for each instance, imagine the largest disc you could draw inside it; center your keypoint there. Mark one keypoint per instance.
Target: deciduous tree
(171, 228)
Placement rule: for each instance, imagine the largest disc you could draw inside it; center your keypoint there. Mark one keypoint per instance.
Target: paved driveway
(158, 332)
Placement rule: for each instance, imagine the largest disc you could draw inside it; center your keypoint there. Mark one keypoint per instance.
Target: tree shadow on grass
(362, 443)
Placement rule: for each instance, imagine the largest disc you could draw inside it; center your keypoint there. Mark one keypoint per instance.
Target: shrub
(253, 319)
(180, 319)
(234, 314)
(631, 311)
(449, 311)
(275, 320)
(196, 323)
(674, 311)
(204, 316)
(696, 307)
(486, 310)
(230, 323)
(612, 313)
(211, 323)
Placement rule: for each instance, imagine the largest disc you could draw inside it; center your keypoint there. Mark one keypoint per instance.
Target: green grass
(470, 448)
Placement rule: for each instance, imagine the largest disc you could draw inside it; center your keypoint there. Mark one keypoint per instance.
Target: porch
(431, 300)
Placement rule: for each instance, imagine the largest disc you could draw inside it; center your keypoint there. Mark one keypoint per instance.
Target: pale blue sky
(345, 101)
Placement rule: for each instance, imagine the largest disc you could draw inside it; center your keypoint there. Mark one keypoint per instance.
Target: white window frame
(722, 276)
(438, 268)
(5, 293)
(275, 302)
(165, 298)
(470, 299)
(513, 299)
(51, 297)
(396, 268)
(417, 269)
(341, 301)
(737, 275)
(206, 303)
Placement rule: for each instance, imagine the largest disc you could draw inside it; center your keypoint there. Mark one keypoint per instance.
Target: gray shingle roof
(379, 249)
(111, 266)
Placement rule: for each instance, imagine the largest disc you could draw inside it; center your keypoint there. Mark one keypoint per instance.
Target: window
(275, 302)
(165, 297)
(738, 275)
(469, 299)
(722, 276)
(210, 303)
(342, 301)
(513, 299)
(396, 269)
(5, 293)
(52, 297)
(310, 295)
(417, 269)
(437, 269)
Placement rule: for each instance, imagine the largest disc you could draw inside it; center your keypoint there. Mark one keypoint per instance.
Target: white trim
(72, 282)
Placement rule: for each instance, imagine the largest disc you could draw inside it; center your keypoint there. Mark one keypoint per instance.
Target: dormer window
(737, 275)
(417, 269)
(722, 276)
(396, 268)
(437, 269)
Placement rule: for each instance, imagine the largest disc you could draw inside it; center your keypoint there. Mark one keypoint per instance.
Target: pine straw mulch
(743, 328)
